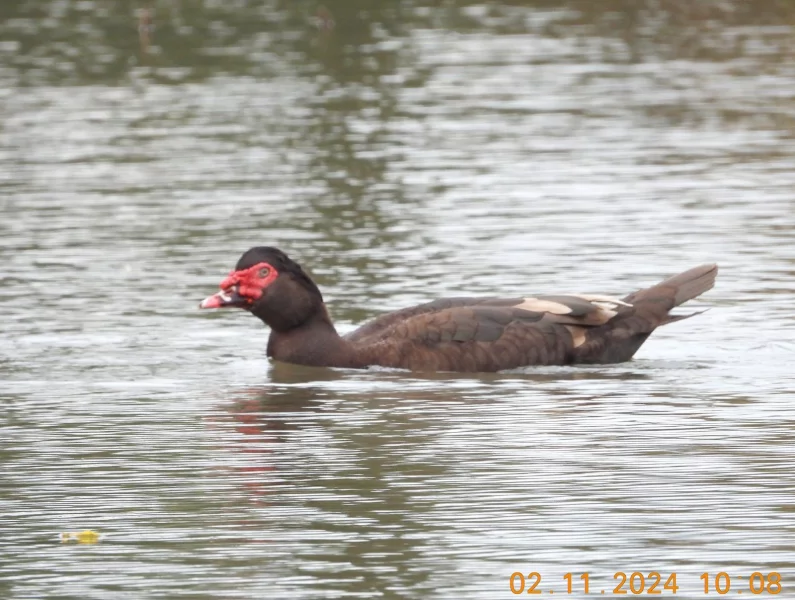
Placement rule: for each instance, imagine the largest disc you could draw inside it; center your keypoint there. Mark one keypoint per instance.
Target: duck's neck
(315, 342)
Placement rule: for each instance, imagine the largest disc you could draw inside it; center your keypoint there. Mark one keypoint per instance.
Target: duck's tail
(677, 290)
(620, 338)
(692, 283)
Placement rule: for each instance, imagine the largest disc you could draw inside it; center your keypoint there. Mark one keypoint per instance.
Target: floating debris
(81, 537)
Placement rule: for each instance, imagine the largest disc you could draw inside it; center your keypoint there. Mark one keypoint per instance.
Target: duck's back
(382, 325)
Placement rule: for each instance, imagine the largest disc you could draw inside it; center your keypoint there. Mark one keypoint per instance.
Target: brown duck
(452, 334)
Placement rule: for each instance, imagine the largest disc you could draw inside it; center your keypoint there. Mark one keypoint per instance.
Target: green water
(404, 152)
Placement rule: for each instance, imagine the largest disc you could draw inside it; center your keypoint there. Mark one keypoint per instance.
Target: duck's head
(270, 285)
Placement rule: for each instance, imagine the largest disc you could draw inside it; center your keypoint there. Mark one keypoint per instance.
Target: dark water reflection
(403, 151)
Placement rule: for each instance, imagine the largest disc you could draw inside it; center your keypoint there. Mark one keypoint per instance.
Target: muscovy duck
(452, 334)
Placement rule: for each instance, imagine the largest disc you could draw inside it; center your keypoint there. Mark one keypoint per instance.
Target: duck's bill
(224, 299)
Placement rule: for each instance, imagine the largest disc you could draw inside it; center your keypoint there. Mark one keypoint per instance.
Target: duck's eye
(263, 272)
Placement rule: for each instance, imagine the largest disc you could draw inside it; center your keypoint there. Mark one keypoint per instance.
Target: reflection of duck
(263, 417)
(266, 411)
(145, 28)
(323, 20)
(454, 334)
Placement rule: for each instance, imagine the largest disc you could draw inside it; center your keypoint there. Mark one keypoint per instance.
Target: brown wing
(488, 337)
(491, 334)
(376, 328)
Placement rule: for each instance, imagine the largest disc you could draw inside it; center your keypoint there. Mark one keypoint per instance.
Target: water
(402, 153)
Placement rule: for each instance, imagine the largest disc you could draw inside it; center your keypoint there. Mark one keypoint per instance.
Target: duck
(460, 334)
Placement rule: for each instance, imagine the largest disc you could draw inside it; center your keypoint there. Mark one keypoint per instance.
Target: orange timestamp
(638, 584)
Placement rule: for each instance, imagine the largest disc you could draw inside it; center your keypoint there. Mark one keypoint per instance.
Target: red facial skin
(247, 283)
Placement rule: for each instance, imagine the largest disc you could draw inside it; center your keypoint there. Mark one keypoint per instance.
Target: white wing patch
(604, 309)
(536, 305)
(608, 302)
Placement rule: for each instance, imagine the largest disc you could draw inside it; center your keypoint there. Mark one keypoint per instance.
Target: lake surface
(401, 152)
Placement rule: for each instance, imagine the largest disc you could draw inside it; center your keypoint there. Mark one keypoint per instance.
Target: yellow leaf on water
(81, 537)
